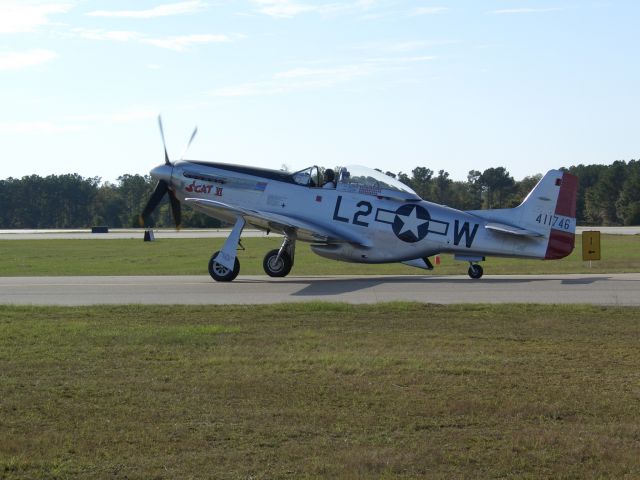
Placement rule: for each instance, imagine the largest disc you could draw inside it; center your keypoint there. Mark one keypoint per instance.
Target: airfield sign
(591, 245)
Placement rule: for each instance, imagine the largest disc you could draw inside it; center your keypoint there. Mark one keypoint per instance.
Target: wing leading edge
(305, 230)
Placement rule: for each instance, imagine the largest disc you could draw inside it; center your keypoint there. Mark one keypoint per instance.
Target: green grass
(319, 391)
(621, 253)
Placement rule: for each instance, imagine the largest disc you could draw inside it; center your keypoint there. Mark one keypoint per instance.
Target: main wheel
(275, 267)
(475, 271)
(220, 273)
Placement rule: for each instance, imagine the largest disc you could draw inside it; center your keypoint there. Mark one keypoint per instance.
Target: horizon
(102, 181)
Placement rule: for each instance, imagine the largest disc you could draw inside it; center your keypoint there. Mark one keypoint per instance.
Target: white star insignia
(411, 222)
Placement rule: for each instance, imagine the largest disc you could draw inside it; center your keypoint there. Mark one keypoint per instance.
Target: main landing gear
(224, 265)
(278, 262)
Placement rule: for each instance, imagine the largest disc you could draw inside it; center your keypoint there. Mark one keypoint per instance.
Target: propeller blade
(154, 200)
(176, 209)
(164, 144)
(195, 130)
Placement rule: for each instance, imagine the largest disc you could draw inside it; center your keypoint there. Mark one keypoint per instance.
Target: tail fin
(562, 236)
(550, 208)
(548, 212)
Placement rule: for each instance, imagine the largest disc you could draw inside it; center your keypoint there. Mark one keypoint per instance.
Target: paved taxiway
(600, 289)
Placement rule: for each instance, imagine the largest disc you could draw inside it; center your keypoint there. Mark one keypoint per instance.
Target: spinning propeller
(163, 174)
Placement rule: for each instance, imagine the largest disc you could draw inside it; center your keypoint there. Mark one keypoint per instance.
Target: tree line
(607, 195)
(72, 201)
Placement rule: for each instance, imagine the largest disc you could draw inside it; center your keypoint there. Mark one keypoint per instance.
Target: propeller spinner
(163, 174)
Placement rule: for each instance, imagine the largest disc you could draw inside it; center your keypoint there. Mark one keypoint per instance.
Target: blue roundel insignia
(411, 223)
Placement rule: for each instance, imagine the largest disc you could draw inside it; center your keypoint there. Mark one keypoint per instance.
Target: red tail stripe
(560, 245)
(566, 205)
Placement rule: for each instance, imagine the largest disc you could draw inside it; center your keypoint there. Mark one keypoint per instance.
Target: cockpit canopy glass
(359, 179)
(309, 177)
(356, 178)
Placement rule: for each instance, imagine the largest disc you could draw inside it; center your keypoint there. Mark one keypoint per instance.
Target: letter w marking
(458, 233)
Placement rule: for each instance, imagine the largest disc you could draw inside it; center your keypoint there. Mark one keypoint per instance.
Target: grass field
(320, 391)
(621, 253)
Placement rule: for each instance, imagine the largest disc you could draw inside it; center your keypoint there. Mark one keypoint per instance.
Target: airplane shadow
(319, 286)
(584, 281)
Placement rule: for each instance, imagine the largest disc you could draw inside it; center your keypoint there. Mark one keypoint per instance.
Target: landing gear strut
(278, 262)
(475, 271)
(224, 265)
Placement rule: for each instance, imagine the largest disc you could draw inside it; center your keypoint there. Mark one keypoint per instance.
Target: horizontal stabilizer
(511, 230)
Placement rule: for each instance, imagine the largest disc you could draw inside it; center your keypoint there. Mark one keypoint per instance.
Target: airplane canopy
(356, 178)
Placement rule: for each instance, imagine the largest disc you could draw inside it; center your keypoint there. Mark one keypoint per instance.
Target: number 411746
(554, 221)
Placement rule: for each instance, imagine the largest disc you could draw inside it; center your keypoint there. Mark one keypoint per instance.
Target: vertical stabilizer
(548, 212)
(550, 209)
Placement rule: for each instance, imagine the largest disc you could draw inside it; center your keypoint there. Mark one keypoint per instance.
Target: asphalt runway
(602, 289)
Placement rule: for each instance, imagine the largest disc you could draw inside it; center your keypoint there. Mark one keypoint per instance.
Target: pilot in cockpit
(329, 179)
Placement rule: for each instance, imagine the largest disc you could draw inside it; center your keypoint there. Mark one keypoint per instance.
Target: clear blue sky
(456, 85)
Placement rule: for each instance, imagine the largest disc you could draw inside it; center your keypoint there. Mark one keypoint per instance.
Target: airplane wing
(305, 230)
(511, 230)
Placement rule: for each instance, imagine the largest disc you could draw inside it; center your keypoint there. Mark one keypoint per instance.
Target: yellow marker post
(591, 245)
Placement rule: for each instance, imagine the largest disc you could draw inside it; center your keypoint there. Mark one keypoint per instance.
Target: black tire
(220, 273)
(280, 268)
(475, 271)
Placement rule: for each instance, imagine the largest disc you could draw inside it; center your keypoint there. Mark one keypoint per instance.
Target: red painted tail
(561, 240)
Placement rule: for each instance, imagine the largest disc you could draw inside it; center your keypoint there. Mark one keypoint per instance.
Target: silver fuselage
(381, 228)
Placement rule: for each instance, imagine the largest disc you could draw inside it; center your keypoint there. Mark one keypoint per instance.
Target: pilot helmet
(329, 175)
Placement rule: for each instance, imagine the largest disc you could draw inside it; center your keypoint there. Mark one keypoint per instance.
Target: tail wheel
(277, 267)
(475, 271)
(220, 273)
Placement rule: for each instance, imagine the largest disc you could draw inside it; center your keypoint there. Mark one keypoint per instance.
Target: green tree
(135, 191)
(108, 206)
(421, 181)
(472, 196)
(404, 178)
(588, 176)
(442, 188)
(600, 199)
(497, 185)
(628, 202)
